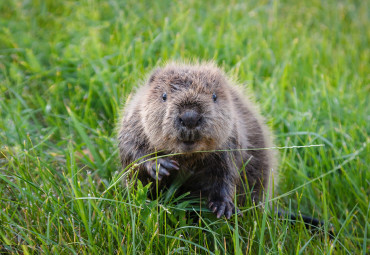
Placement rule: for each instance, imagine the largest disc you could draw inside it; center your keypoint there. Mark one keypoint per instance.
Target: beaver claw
(163, 166)
(221, 208)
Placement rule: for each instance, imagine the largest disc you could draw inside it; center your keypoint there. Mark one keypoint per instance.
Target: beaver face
(188, 109)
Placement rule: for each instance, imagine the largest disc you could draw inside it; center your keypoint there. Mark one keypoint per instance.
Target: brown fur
(150, 124)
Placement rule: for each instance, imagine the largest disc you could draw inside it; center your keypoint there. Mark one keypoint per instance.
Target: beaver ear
(154, 75)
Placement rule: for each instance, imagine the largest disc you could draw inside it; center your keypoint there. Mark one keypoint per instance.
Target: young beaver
(190, 108)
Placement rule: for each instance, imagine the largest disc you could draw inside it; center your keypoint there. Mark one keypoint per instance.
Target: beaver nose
(190, 119)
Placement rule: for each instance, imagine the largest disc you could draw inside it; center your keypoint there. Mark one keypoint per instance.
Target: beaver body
(197, 112)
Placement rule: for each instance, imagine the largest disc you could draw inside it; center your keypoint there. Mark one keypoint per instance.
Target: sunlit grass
(66, 67)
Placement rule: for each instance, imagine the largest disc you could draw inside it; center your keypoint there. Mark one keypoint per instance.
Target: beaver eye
(164, 96)
(214, 96)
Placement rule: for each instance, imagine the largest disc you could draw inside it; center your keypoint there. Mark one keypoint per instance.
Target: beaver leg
(219, 184)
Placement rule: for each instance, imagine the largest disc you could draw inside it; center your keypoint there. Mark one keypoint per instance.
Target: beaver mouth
(189, 143)
(189, 139)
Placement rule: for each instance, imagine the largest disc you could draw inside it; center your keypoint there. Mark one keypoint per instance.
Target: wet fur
(149, 124)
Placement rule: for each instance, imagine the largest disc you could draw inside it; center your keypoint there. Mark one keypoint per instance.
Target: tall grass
(67, 66)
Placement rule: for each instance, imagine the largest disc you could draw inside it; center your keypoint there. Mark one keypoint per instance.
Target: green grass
(67, 66)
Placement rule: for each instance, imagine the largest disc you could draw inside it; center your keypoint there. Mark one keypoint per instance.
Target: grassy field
(66, 68)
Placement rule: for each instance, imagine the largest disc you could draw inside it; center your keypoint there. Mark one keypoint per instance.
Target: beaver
(215, 134)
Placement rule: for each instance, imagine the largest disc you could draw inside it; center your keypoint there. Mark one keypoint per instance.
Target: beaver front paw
(163, 166)
(221, 208)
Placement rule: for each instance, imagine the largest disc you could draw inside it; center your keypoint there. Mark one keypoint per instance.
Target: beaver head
(187, 108)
